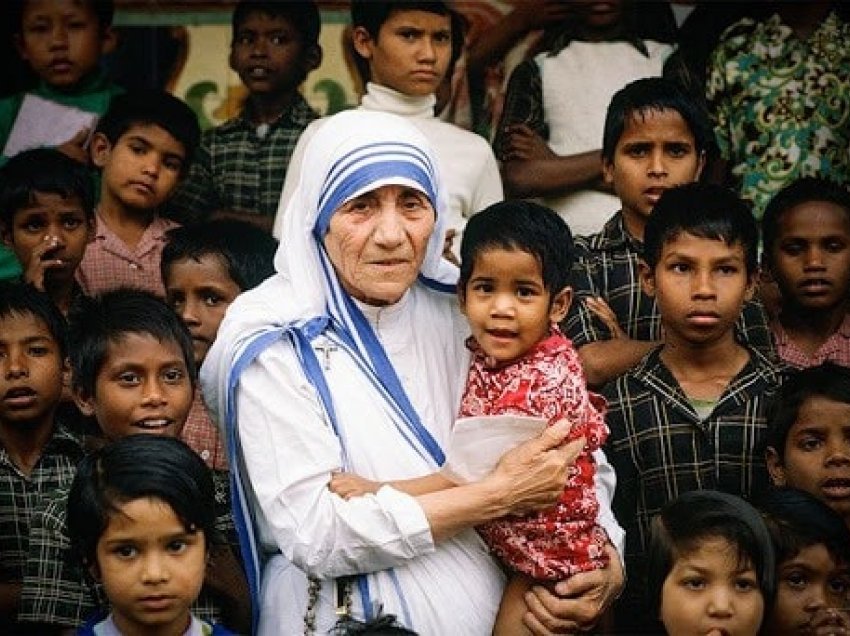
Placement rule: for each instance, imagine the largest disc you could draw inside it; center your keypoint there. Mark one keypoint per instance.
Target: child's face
(62, 40)
(269, 56)
(142, 169)
(655, 152)
(200, 291)
(151, 568)
(807, 584)
(52, 231)
(143, 386)
(508, 307)
(811, 256)
(817, 453)
(700, 286)
(411, 53)
(32, 371)
(708, 591)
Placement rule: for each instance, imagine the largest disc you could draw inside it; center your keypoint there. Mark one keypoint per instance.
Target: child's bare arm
(605, 360)
(348, 485)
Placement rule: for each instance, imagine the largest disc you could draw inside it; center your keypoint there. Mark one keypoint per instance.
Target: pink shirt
(836, 349)
(201, 434)
(109, 263)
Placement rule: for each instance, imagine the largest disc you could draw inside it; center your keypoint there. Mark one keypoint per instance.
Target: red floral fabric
(548, 382)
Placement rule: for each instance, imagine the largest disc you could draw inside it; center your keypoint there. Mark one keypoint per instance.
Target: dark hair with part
(828, 380)
(371, 15)
(521, 225)
(95, 323)
(804, 190)
(139, 467)
(145, 107)
(303, 15)
(246, 251)
(22, 299)
(43, 171)
(797, 520)
(702, 515)
(705, 210)
(643, 97)
(104, 11)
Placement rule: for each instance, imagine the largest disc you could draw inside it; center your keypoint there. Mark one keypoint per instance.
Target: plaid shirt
(607, 266)
(201, 434)
(20, 494)
(56, 591)
(836, 349)
(523, 105)
(236, 169)
(109, 263)
(660, 448)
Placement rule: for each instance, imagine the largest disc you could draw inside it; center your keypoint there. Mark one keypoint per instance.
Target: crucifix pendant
(326, 348)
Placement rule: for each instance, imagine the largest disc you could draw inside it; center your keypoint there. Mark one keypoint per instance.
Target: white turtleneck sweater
(468, 169)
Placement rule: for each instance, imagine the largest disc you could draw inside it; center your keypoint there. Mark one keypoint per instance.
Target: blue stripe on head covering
(355, 171)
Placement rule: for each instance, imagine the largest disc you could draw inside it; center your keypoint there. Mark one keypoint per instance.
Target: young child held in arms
(806, 234)
(47, 219)
(812, 547)
(204, 268)
(655, 138)
(514, 289)
(809, 443)
(141, 519)
(240, 165)
(711, 566)
(37, 454)
(62, 41)
(133, 370)
(143, 146)
(693, 413)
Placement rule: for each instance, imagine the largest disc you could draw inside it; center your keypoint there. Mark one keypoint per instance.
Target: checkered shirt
(109, 263)
(236, 169)
(836, 349)
(660, 448)
(57, 591)
(20, 495)
(607, 266)
(201, 434)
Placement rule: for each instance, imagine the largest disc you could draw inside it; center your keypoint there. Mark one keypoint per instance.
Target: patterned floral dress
(548, 382)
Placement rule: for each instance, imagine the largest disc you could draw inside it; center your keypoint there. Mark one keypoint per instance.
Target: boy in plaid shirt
(693, 413)
(655, 138)
(37, 454)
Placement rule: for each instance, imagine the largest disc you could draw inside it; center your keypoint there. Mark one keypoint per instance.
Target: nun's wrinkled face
(377, 242)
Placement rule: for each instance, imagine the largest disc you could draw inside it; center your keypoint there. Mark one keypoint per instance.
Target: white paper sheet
(42, 123)
(477, 443)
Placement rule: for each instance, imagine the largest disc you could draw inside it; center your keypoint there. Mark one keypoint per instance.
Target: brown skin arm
(226, 579)
(606, 360)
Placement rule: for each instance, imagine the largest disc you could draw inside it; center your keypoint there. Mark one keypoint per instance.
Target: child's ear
(6, 235)
(608, 171)
(752, 285)
(775, 468)
(93, 571)
(560, 305)
(312, 58)
(18, 41)
(461, 297)
(700, 165)
(647, 278)
(83, 400)
(362, 42)
(100, 149)
(108, 41)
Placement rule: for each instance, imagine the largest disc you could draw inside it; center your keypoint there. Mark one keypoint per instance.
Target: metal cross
(326, 348)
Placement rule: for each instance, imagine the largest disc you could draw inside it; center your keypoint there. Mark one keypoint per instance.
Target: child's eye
(482, 288)
(693, 583)
(525, 292)
(177, 546)
(728, 270)
(279, 39)
(836, 246)
(443, 37)
(33, 225)
(793, 248)
(173, 164)
(810, 443)
(677, 150)
(77, 25)
(745, 584)
(839, 586)
(174, 376)
(71, 223)
(129, 378)
(408, 34)
(125, 551)
(211, 300)
(796, 580)
(137, 149)
(679, 268)
(37, 351)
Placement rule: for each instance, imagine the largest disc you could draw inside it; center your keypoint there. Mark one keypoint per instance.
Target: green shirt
(92, 95)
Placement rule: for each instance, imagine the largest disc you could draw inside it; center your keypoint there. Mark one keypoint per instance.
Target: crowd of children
(719, 345)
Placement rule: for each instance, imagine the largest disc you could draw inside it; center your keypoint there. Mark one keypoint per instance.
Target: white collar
(385, 99)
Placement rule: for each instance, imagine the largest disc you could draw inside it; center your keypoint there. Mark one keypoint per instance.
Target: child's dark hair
(828, 380)
(371, 15)
(705, 210)
(138, 467)
(303, 15)
(104, 11)
(22, 299)
(244, 249)
(801, 191)
(95, 323)
(653, 95)
(521, 225)
(797, 520)
(707, 514)
(149, 106)
(43, 171)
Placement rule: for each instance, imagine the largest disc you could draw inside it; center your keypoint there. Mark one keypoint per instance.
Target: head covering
(350, 154)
